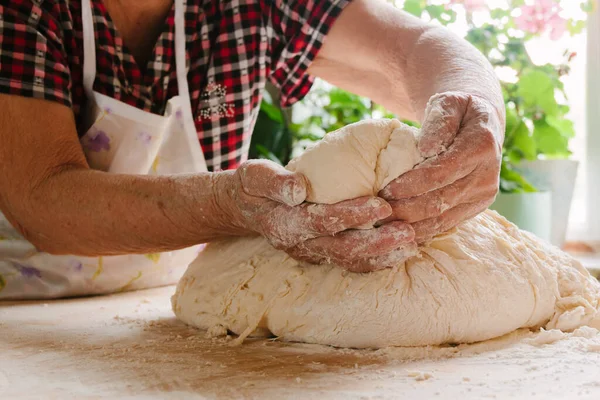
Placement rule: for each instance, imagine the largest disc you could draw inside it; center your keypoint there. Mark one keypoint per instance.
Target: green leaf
(575, 27)
(448, 17)
(549, 140)
(484, 38)
(563, 125)
(263, 152)
(434, 11)
(518, 142)
(512, 121)
(588, 6)
(499, 13)
(273, 112)
(524, 142)
(308, 131)
(339, 98)
(513, 156)
(537, 91)
(515, 54)
(564, 109)
(414, 7)
(272, 135)
(440, 13)
(411, 123)
(513, 182)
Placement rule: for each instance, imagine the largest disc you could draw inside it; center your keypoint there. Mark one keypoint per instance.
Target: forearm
(441, 62)
(86, 212)
(400, 61)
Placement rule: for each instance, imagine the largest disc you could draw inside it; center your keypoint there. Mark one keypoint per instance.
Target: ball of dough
(358, 160)
(481, 280)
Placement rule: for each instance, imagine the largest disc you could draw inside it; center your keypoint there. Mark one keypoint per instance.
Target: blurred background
(547, 55)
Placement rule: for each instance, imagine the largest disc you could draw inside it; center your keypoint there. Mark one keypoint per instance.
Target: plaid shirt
(233, 47)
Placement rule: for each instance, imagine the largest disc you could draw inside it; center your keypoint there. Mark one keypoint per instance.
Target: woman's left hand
(462, 181)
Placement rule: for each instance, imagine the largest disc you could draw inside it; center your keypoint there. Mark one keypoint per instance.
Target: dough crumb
(420, 375)
(216, 331)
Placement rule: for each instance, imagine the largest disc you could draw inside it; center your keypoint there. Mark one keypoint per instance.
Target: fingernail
(383, 209)
(387, 192)
(294, 191)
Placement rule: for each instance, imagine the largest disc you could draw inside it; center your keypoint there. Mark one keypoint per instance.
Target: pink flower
(542, 16)
(470, 5)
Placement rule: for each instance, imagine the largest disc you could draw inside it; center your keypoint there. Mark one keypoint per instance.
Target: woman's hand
(462, 181)
(401, 62)
(265, 198)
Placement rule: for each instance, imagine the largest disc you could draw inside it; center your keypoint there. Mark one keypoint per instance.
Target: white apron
(122, 139)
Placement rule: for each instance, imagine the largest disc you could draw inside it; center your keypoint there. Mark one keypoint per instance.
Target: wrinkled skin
(462, 180)
(265, 198)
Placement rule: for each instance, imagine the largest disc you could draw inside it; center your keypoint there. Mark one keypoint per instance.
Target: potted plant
(537, 172)
(541, 154)
(538, 129)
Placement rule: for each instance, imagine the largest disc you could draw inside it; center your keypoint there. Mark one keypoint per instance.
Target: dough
(358, 160)
(481, 280)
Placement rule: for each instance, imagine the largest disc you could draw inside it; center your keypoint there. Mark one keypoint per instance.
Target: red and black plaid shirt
(233, 47)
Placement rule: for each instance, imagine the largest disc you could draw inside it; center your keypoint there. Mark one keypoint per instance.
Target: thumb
(441, 122)
(263, 178)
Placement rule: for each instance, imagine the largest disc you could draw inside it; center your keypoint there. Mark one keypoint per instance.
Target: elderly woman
(125, 128)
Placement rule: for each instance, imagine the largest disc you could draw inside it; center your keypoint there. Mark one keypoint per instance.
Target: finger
(436, 202)
(287, 226)
(427, 229)
(263, 178)
(347, 247)
(435, 173)
(441, 123)
(330, 219)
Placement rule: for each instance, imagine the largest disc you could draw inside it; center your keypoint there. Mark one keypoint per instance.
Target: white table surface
(129, 346)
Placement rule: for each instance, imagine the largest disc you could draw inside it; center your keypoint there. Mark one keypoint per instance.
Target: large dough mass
(482, 280)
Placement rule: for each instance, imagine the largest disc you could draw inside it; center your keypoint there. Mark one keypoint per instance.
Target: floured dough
(481, 280)
(358, 160)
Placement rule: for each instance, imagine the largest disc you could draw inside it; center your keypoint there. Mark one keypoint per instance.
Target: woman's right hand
(263, 197)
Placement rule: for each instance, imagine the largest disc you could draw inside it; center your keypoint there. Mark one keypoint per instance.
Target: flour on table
(482, 280)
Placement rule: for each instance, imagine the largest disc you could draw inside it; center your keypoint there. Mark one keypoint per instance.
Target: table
(129, 346)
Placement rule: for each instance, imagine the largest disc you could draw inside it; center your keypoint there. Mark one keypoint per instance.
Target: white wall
(589, 227)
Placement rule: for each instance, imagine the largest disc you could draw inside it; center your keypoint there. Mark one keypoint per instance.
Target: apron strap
(89, 73)
(89, 48)
(184, 92)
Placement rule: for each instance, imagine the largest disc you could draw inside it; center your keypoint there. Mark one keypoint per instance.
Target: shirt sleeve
(296, 30)
(33, 61)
